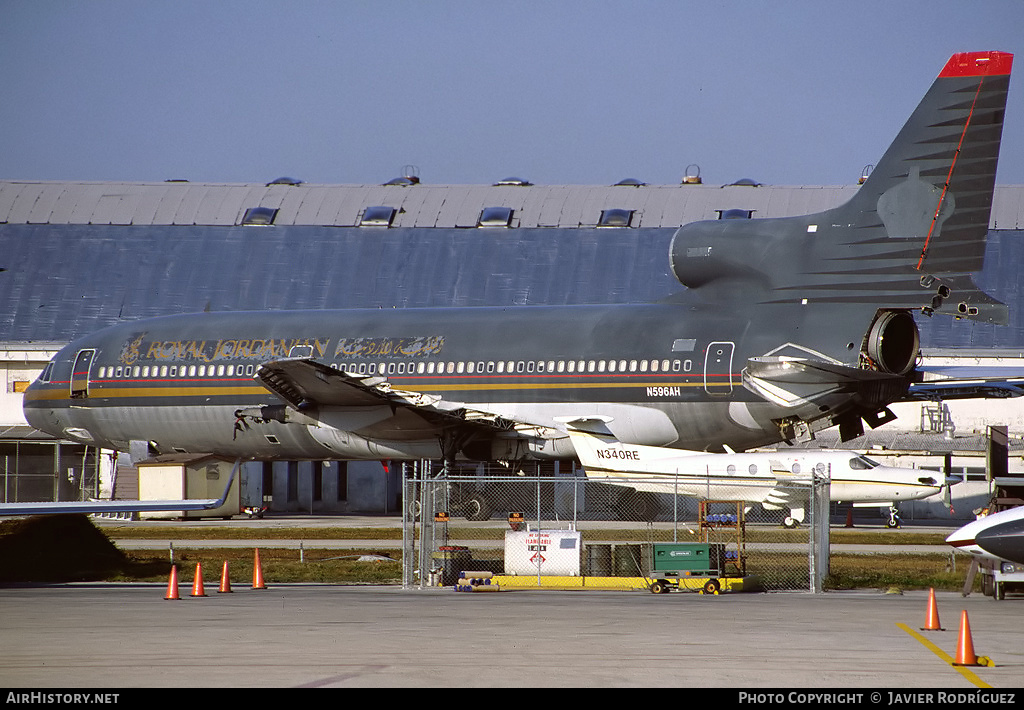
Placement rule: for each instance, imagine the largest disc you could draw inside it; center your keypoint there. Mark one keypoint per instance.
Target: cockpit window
(862, 463)
(45, 377)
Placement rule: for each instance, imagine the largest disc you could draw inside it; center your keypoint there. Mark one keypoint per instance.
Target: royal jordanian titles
(781, 327)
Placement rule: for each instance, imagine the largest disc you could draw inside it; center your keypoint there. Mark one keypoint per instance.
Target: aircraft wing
(790, 491)
(118, 506)
(306, 384)
(967, 382)
(108, 506)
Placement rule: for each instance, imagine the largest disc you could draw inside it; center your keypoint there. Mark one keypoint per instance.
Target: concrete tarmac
(129, 636)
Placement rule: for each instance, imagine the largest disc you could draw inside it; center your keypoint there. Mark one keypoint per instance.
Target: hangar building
(78, 256)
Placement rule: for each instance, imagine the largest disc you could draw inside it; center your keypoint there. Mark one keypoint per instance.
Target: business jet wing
(118, 506)
(791, 491)
(306, 384)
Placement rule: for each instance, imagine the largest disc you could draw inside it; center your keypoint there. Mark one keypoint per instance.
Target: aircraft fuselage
(669, 374)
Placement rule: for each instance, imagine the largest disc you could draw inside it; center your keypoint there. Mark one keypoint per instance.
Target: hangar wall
(77, 257)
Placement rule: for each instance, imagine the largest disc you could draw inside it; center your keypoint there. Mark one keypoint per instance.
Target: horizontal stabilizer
(791, 381)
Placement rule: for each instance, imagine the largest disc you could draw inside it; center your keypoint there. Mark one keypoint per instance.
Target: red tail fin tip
(978, 64)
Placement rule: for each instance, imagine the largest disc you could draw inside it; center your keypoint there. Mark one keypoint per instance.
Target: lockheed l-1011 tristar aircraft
(784, 327)
(777, 480)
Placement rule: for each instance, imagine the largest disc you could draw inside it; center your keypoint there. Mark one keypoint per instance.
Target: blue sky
(785, 92)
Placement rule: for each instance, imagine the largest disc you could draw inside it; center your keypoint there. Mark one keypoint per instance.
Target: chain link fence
(551, 522)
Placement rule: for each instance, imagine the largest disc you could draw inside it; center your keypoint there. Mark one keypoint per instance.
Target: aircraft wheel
(657, 588)
(892, 524)
(987, 587)
(790, 523)
(477, 508)
(998, 592)
(712, 586)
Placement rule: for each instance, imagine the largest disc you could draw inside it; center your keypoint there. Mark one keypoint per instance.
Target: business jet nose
(958, 538)
(1005, 540)
(963, 539)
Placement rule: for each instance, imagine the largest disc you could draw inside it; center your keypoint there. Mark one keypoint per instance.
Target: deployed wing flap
(302, 383)
(306, 384)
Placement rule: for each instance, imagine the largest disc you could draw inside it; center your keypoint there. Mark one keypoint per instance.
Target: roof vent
(285, 181)
(259, 216)
(735, 214)
(864, 173)
(630, 182)
(519, 182)
(404, 181)
(495, 217)
(615, 218)
(692, 175)
(745, 182)
(378, 216)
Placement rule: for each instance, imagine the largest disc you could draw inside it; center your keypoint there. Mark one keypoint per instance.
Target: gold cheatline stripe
(100, 391)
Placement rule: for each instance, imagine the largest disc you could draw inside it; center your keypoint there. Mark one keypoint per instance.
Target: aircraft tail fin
(934, 184)
(600, 452)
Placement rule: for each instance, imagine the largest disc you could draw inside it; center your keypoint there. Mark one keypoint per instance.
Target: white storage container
(545, 552)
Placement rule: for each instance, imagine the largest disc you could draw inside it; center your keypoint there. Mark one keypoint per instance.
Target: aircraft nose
(955, 537)
(44, 420)
(1005, 540)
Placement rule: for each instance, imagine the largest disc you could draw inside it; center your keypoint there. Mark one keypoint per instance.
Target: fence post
(819, 533)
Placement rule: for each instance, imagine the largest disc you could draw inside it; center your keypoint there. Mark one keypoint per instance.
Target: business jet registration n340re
(784, 327)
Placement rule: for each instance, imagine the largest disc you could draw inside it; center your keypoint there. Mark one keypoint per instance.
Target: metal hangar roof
(420, 205)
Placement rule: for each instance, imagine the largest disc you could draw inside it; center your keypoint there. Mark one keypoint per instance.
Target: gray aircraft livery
(784, 327)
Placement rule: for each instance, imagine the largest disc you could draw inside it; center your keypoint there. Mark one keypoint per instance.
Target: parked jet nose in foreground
(999, 536)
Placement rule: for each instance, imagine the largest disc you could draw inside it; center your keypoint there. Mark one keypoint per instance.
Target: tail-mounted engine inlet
(893, 342)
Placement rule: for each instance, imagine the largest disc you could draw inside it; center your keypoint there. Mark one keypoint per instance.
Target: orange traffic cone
(931, 622)
(964, 645)
(257, 573)
(197, 586)
(172, 584)
(225, 581)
